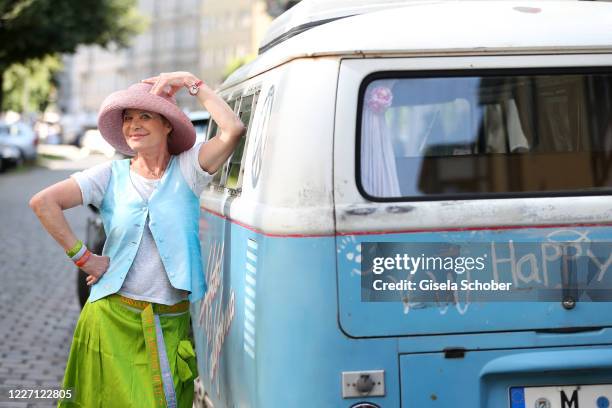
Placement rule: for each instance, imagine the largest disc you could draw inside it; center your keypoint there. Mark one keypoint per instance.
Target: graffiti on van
(351, 250)
(215, 320)
(566, 259)
(561, 246)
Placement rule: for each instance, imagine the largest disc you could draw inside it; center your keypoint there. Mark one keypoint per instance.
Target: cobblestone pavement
(38, 302)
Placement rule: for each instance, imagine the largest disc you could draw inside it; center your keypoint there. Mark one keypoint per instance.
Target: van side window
(235, 162)
(219, 177)
(212, 130)
(469, 136)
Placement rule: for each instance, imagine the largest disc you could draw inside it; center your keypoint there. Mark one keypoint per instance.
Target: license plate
(565, 396)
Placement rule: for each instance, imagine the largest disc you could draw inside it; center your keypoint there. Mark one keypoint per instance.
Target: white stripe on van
(251, 268)
(251, 256)
(248, 315)
(249, 279)
(249, 351)
(249, 303)
(249, 291)
(252, 244)
(248, 327)
(249, 339)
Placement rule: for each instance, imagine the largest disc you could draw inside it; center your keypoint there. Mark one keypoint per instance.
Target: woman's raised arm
(216, 151)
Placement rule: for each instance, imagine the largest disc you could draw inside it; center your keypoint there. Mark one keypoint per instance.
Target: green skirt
(117, 359)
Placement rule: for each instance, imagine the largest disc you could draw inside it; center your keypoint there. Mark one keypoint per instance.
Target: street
(38, 302)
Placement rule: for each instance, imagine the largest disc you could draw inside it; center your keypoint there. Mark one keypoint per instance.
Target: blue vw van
(467, 125)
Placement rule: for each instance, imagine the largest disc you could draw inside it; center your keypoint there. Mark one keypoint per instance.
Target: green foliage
(27, 86)
(32, 30)
(236, 63)
(35, 28)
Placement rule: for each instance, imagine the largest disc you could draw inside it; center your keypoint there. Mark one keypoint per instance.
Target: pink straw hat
(137, 96)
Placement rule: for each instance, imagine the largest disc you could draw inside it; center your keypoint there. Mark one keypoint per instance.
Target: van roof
(448, 28)
(311, 13)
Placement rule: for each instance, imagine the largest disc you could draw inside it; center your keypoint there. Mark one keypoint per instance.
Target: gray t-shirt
(147, 279)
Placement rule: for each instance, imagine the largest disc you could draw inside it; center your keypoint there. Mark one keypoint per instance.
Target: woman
(131, 346)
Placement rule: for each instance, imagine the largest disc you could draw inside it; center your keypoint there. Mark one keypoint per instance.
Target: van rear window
(494, 134)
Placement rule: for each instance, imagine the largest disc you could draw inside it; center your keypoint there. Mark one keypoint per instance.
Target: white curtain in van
(378, 171)
(503, 128)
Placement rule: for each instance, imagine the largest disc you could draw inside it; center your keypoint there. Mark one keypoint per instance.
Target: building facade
(200, 36)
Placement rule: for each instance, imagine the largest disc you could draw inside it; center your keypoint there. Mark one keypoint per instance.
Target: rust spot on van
(399, 209)
(361, 211)
(532, 10)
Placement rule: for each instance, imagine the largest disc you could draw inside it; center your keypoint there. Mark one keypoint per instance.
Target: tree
(236, 63)
(34, 29)
(30, 84)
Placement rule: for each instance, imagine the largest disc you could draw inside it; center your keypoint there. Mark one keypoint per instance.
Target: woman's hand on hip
(174, 80)
(95, 267)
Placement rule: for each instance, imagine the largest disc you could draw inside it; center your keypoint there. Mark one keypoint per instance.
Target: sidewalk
(67, 157)
(38, 297)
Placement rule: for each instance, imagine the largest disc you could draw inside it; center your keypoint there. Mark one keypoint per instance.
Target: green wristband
(75, 249)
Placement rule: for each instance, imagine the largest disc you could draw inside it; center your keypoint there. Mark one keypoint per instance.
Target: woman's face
(145, 130)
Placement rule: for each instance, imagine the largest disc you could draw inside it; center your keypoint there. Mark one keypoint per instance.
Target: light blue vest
(173, 211)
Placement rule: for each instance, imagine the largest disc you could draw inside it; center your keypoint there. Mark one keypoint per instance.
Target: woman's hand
(175, 80)
(95, 267)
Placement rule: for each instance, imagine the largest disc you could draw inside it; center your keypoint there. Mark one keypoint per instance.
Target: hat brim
(110, 119)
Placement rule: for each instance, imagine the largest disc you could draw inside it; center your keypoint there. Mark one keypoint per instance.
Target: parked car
(48, 132)
(200, 120)
(20, 135)
(92, 141)
(9, 156)
(74, 126)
